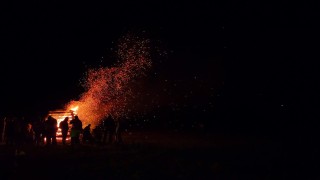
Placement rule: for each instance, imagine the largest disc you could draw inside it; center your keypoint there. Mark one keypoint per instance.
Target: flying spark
(110, 90)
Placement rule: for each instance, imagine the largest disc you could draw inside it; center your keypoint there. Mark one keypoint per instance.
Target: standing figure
(28, 133)
(39, 130)
(76, 130)
(118, 132)
(64, 126)
(109, 129)
(97, 134)
(10, 132)
(51, 130)
(3, 128)
(87, 136)
(19, 135)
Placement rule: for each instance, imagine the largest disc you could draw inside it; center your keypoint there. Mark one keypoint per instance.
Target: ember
(108, 90)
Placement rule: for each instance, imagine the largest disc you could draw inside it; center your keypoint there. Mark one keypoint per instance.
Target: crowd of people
(18, 132)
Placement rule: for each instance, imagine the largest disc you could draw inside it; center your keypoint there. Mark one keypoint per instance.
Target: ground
(153, 155)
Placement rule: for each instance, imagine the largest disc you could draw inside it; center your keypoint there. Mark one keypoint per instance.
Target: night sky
(244, 66)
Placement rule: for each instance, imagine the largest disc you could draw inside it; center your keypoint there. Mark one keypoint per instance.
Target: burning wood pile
(60, 115)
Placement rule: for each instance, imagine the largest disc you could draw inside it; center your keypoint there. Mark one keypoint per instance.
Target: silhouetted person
(3, 129)
(51, 130)
(64, 126)
(10, 131)
(39, 130)
(109, 129)
(97, 134)
(19, 135)
(28, 133)
(87, 136)
(118, 132)
(75, 130)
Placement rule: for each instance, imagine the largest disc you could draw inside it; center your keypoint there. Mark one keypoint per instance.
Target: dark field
(162, 155)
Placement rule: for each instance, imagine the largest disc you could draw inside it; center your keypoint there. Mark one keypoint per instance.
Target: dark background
(248, 67)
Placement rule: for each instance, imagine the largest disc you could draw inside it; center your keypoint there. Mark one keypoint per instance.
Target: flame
(60, 115)
(74, 109)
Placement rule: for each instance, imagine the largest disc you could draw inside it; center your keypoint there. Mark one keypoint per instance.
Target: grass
(152, 155)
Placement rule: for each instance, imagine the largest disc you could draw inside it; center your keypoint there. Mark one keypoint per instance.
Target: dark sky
(233, 60)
